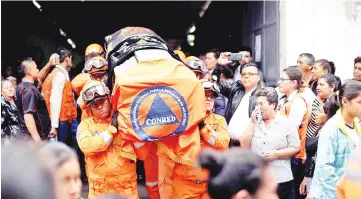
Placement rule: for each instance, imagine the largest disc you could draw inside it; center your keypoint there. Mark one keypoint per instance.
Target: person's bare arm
(45, 70)
(31, 126)
(287, 153)
(247, 135)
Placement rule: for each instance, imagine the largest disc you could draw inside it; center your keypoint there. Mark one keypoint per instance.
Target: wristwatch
(112, 129)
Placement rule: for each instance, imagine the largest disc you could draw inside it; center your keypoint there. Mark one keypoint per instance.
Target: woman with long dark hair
(296, 107)
(338, 138)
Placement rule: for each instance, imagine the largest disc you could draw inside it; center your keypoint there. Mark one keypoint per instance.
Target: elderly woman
(13, 80)
(9, 113)
(274, 137)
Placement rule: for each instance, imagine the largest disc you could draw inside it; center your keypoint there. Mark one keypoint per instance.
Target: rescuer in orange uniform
(191, 182)
(93, 50)
(196, 65)
(157, 97)
(96, 69)
(110, 160)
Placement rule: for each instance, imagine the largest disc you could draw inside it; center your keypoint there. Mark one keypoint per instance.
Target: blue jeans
(64, 133)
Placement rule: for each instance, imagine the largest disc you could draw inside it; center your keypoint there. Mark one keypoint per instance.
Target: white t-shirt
(240, 118)
(355, 137)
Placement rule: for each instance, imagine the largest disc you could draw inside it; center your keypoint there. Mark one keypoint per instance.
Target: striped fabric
(312, 127)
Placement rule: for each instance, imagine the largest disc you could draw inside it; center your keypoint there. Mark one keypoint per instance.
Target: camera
(235, 57)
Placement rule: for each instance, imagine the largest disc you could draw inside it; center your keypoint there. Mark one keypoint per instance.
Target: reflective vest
(68, 110)
(285, 111)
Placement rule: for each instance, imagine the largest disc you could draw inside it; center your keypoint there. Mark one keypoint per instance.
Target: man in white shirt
(241, 100)
(59, 97)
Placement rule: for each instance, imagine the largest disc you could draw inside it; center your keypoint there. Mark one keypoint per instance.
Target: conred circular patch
(158, 112)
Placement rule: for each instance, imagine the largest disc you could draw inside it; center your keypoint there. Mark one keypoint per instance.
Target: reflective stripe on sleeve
(151, 184)
(138, 144)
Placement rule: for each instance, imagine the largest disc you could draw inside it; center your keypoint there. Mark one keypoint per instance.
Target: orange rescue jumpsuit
(181, 149)
(79, 82)
(85, 113)
(191, 182)
(110, 161)
(151, 172)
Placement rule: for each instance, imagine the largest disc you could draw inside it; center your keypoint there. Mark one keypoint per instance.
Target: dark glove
(201, 124)
(115, 119)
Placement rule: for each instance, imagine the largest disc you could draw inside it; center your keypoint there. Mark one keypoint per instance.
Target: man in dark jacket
(241, 99)
(226, 75)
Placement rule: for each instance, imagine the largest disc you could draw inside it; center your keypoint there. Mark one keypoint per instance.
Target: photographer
(241, 99)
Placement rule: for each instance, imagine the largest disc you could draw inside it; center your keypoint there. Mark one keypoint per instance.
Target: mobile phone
(235, 57)
(258, 114)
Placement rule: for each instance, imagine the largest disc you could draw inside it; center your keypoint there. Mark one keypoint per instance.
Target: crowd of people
(204, 127)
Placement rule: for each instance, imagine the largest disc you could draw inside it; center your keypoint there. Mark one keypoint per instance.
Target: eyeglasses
(284, 79)
(248, 74)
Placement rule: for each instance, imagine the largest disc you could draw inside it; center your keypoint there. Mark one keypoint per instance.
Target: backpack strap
(288, 108)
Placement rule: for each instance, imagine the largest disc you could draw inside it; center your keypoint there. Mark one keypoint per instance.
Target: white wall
(329, 29)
